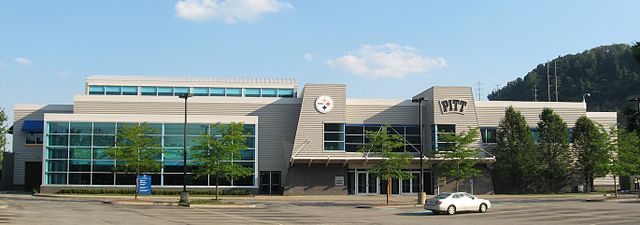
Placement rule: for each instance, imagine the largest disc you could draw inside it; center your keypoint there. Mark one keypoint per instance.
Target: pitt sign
(453, 106)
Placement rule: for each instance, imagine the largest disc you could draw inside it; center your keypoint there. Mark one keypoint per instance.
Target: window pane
(125, 125)
(250, 129)
(165, 91)
(102, 179)
(57, 178)
(104, 128)
(57, 153)
(80, 140)
(216, 91)
(104, 166)
(100, 153)
(80, 128)
(334, 146)
(200, 91)
(287, 93)
(125, 179)
(333, 137)
(180, 90)
(33, 138)
(355, 139)
(247, 154)
(269, 92)
(173, 141)
(104, 141)
(252, 92)
(58, 140)
(59, 127)
(196, 129)
(80, 153)
(173, 129)
(233, 92)
(113, 90)
(413, 139)
(57, 165)
(80, 165)
(352, 147)
(79, 178)
(251, 142)
(412, 130)
(129, 90)
(354, 129)
(333, 127)
(96, 90)
(149, 91)
(446, 128)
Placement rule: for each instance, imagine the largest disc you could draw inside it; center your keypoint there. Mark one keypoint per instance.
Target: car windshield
(442, 196)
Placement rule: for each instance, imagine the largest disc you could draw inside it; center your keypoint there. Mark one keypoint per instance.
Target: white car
(456, 202)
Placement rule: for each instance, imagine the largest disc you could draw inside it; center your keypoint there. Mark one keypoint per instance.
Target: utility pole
(535, 93)
(548, 83)
(555, 74)
(479, 90)
(497, 92)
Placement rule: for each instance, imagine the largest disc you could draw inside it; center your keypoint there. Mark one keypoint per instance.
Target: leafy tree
(3, 134)
(516, 155)
(215, 152)
(591, 144)
(554, 146)
(625, 151)
(136, 151)
(461, 156)
(635, 51)
(392, 165)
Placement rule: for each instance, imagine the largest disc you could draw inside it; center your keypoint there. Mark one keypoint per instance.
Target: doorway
(270, 183)
(32, 176)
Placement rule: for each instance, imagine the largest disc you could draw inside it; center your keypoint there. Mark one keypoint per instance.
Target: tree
(554, 146)
(392, 164)
(591, 145)
(516, 155)
(135, 151)
(215, 152)
(461, 157)
(635, 51)
(3, 134)
(625, 155)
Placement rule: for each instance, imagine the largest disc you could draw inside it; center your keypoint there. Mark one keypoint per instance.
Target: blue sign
(144, 185)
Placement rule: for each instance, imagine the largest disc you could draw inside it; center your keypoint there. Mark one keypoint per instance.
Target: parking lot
(25, 209)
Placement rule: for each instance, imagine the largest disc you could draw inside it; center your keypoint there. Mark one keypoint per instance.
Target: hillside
(610, 73)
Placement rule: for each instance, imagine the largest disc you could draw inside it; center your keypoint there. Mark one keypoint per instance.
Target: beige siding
(606, 119)
(276, 126)
(463, 122)
(309, 134)
(490, 113)
(381, 111)
(29, 153)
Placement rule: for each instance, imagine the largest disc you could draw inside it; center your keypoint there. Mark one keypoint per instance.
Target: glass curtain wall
(75, 154)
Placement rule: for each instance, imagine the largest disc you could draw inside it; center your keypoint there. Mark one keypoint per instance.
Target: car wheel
(451, 210)
(483, 208)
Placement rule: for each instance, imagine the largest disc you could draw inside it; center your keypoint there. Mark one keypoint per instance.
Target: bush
(153, 192)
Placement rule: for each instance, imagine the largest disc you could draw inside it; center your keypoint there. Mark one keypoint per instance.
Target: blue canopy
(33, 126)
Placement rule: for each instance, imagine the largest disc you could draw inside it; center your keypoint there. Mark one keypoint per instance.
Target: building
(300, 142)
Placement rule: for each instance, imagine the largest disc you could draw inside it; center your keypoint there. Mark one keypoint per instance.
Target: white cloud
(386, 60)
(308, 56)
(229, 11)
(22, 61)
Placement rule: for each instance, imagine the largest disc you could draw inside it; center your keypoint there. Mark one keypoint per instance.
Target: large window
(334, 136)
(198, 91)
(488, 134)
(32, 138)
(76, 154)
(437, 131)
(356, 136)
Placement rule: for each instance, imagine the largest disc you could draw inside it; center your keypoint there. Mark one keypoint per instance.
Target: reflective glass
(96, 90)
(173, 129)
(196, 129)
(200, 91)
(173, 141)
(333, 137)
(165, 91)
(102, 178)
(269, 92)
(80, 128)
(80, 165)
(236, 92)
(80, 140)
(104, 141)
(57, 165)
(155, 128)
(252, 92)
(334, 146)
(57, 153)
(57, 178)
(250, 142)
(80, 153)
(129, 90)
(104, 128)
(100, 153)
(152, 91)
(79, 178)
(247, 154)
(113, 90)
(104, 166)
(180, 90)
(286, 93)
(173, 154)
(249, 129)
(333, 127)
(58, 140)
(216, 91)
(59, 127)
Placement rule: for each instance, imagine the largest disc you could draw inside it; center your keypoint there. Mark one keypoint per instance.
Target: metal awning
(33, 126)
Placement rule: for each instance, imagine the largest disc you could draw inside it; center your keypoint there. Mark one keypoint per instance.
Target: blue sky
(380, 49)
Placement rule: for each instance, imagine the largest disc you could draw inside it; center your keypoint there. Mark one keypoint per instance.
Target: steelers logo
(324, 104)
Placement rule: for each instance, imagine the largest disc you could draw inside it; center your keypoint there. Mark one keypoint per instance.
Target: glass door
(362, 182)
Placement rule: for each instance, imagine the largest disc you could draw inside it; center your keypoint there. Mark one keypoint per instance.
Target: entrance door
(362, 183)
(32, 176)
(270, 182)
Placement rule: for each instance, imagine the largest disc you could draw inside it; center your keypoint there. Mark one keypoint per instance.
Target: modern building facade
(300, 141)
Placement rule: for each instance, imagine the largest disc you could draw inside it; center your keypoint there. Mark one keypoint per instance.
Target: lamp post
(422, 196)
(637, 100)
(184, 195)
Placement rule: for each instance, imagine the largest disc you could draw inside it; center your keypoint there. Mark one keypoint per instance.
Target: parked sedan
(456, 202)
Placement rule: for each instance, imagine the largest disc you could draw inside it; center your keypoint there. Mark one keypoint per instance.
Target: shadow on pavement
(416, 214)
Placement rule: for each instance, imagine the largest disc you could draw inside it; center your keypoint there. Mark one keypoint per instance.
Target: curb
(142, 203)
(387, 206)
(223, 206)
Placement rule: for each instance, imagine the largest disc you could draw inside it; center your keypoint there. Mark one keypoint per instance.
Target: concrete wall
(315, 180)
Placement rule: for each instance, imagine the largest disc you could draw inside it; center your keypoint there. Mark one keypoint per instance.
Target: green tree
(635, 51)
(516, 153)
(136, 151)
(554, 147)
(591, 143)
(625, 155)
(215, 152)
(392, 164)
(3, 134)
(460, 156)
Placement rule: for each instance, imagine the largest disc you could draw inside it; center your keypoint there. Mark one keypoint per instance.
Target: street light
(422, 196)
(585, 95)
(184, 195)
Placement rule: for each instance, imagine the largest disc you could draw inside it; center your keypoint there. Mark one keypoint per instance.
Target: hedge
(153, 192)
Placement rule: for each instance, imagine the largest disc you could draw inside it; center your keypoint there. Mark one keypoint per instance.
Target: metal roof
(241, 80)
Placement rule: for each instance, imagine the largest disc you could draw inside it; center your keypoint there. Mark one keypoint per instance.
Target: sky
(380, 49)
